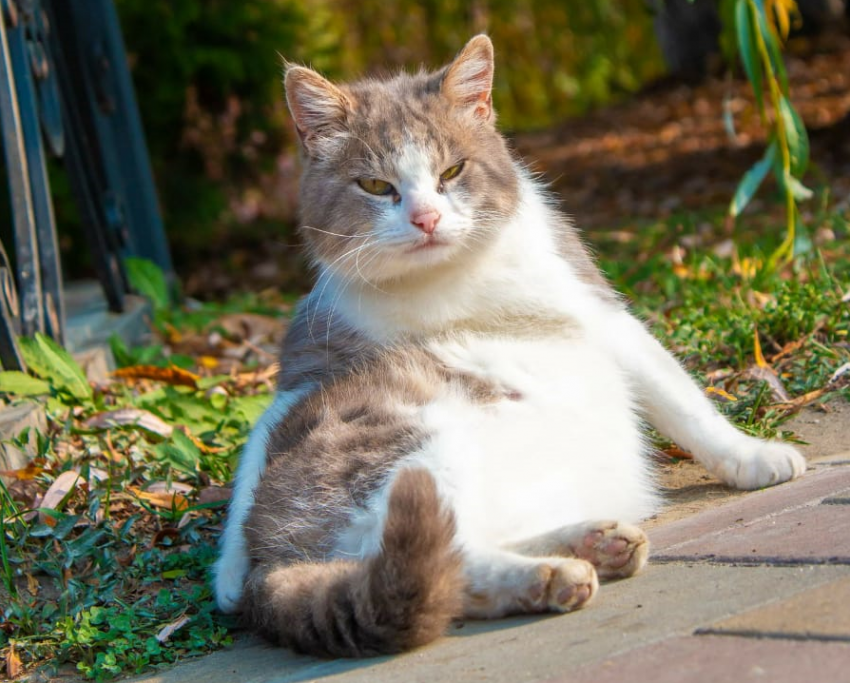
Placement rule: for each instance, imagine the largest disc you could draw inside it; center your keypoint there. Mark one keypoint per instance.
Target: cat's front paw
(230, 572)
(761, 463)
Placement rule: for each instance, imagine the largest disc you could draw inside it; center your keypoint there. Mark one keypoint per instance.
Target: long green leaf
(797, 137)
(21, 384)
(747, 47)
(148, 280)
(772, 43)
(752, 180)
(801, 192)
(55, 365)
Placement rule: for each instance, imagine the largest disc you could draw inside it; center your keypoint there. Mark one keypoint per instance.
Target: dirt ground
(668, 149)
(688, 488)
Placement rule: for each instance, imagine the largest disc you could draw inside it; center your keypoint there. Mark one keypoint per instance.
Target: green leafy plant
(760, 27)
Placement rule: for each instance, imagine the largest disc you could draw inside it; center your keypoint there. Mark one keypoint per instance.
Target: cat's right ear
(320, 109)
(468, 80)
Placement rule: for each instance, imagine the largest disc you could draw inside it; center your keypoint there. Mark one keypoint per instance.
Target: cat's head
(402, 174)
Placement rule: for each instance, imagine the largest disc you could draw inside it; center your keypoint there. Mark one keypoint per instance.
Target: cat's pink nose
(426, 220)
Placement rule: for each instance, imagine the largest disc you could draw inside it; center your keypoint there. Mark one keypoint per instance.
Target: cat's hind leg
(616, 549)
(501, 582)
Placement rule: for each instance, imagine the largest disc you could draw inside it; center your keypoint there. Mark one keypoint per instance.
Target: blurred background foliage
(207, 75)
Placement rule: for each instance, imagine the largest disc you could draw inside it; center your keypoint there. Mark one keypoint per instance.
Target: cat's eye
(452, 172)
(375, 186)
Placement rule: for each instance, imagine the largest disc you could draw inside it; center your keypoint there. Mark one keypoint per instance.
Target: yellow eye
(452, 172)
(375, 186)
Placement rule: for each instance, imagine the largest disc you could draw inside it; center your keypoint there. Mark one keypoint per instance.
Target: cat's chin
(432, 246)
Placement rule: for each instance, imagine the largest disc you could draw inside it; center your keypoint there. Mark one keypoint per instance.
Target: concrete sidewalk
(754, 589)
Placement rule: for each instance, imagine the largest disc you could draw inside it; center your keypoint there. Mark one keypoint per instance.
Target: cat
(457, 425)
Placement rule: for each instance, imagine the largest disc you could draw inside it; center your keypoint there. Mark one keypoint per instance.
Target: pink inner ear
(484, 106)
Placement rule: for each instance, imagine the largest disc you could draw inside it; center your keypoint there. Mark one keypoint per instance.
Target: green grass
(709, 308)
(113, 579)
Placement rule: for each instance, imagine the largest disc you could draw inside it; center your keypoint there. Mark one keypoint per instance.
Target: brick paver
(693, 536)
(821, 613)
(722, 659)
(819, 534)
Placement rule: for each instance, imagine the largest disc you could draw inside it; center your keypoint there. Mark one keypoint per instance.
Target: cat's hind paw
(616, 549)
(762, 463)
(572, 585)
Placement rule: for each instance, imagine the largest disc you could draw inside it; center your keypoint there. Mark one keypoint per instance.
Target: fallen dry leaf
(14, 667)
(169, 487)
(134, 417)
(169, 375)
(798, 402)
(58, 492)
(166, 631)
(768, 374)
(674, 452)
(760, 361)
(165, 500)
(719, 394)
(28, 473)
(214, 494)
(838, 373)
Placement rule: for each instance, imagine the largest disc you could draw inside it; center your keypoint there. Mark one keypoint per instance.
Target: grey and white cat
(457, 426)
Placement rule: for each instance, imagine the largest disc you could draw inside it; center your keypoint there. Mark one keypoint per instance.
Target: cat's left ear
(468, 80)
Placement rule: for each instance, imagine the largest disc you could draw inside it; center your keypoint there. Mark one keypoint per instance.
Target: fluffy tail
(400, 599)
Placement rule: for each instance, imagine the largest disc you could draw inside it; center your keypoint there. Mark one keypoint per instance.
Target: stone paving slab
(728, 521)
(665, 601)
(723, 659)
(809, 535)
(822, 613)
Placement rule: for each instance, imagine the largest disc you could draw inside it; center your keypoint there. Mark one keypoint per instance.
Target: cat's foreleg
(676, 406)
(232, 566)
(616, 549)
(501, 582)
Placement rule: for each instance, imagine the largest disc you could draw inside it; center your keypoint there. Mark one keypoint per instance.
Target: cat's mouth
(429, 243)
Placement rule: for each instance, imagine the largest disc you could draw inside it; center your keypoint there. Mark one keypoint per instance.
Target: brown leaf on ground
(162, 534)
(214, 494)
(170, 375)
(59, 491)
(768, 374)
(134, 417)
(28, 473)
(167, 500)
(169, 487)
(794, 404)
(252, 327)
(14, 667)
(676, 453)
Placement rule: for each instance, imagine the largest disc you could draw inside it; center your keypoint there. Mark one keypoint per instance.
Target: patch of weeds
(107, 537)
(718, 308)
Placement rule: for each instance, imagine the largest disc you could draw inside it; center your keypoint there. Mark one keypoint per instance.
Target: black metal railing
(65, 89)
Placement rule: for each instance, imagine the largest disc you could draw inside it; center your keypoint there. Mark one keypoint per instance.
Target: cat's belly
(563, 446)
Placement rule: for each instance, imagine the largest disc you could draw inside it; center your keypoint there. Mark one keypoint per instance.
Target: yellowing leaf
(169, 375)
(31, 471)
(171, 500)
(718, 393)
(129, 417)
(760, 361)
